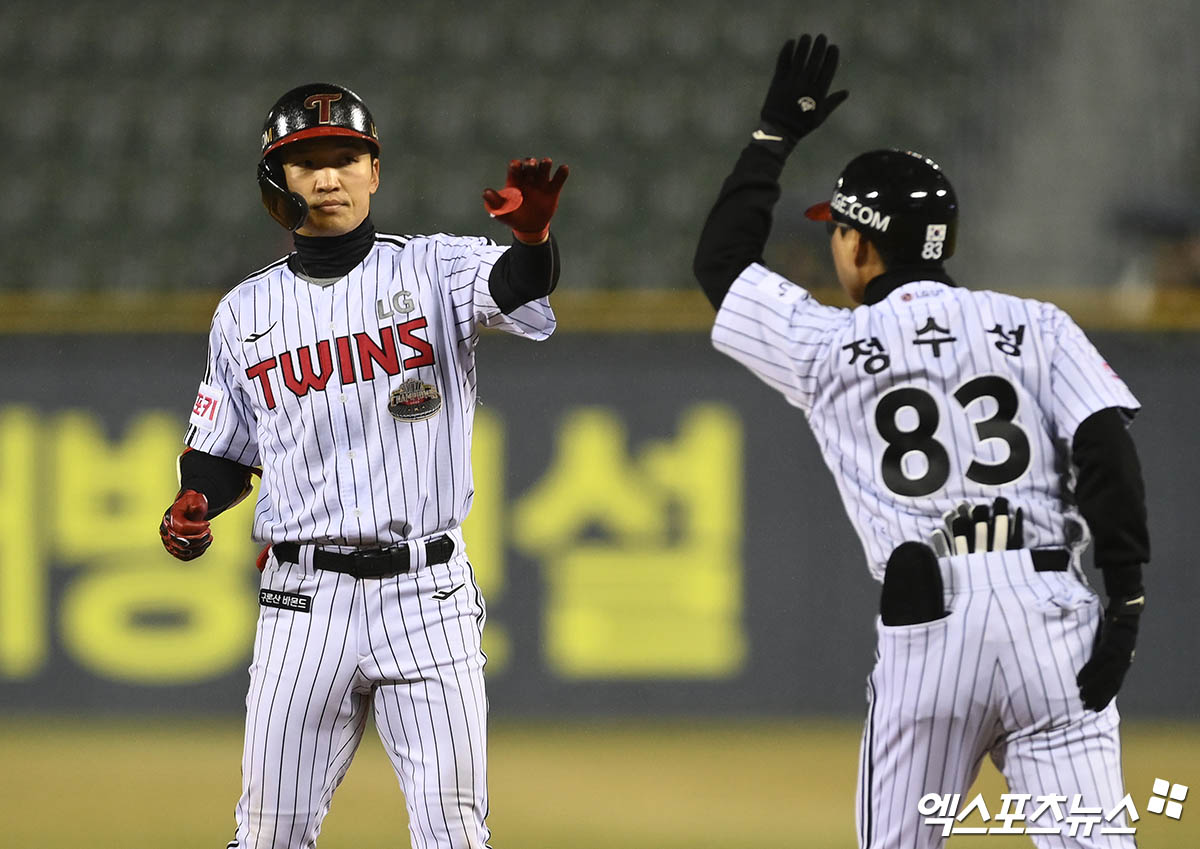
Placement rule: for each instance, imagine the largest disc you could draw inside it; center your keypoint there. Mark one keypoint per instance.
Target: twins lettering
(357, 355)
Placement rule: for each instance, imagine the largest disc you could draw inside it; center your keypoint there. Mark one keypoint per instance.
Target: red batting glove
(528, 199)
(184, 530)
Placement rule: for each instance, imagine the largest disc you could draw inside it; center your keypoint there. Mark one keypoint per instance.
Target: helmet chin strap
(288, 208)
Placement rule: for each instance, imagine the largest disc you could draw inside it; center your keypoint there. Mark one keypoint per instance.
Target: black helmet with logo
(309, 111)
(898, 199)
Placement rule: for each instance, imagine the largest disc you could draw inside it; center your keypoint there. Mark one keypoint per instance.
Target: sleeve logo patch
(780, 288)
(935, 241)
(285, 601)
(208, 402)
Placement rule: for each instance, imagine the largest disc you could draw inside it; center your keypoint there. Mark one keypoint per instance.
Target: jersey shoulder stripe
(262, 272)
(398, 241)
(455, 239)
(252, 281)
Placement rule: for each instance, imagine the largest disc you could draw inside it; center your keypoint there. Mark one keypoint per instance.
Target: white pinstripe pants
(995, 677)
(382, 643)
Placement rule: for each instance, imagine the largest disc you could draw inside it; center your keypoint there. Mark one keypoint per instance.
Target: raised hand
(799, 100)
(529, 198)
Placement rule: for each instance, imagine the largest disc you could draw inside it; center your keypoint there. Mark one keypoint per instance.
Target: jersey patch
(285, 601)
(935, 241)
(780, 289)
(414, 401)
(208, 402)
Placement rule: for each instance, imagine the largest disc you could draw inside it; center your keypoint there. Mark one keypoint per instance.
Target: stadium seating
(140, 130)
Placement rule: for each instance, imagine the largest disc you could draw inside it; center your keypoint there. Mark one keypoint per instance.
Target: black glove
(799, 99)
(1112, 654)
(971, 529)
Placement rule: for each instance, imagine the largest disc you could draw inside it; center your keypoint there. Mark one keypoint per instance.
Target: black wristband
(774, 139)
(524, 273)
(223, 482)
(1123, 582)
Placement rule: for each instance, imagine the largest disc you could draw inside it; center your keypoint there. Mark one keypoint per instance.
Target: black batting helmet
(898, 199)
(308, 111)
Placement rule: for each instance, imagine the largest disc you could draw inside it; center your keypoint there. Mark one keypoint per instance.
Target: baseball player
(344, 374)
(984, 422)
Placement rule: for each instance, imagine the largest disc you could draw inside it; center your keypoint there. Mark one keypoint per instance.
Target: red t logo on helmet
(323, 101)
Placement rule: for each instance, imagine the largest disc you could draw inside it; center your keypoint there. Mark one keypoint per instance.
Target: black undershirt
(524, 273)
(325, 257)
(737, 228)
(1111, 496)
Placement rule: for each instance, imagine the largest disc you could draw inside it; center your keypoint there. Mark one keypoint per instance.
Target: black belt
(1050, 559)
(371, 563)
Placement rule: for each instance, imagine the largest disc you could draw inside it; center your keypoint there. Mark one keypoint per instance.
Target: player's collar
(332, 256)
(892, 279)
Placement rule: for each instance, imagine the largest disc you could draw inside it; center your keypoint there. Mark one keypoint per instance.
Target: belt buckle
(391, 556)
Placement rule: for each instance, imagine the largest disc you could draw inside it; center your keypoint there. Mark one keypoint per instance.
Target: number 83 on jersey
(979, 423)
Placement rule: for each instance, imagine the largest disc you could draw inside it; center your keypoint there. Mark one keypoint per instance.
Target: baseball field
(115, 784)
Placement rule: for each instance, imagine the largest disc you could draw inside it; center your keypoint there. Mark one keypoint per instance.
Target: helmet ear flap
(288, 208)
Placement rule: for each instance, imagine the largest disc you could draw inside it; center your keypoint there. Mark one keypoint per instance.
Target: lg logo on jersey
(357, 357)
(402, 304)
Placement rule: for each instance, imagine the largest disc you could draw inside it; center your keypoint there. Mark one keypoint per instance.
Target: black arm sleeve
(740, 222)
(1112, 498)
(223, 482)
(524, 273)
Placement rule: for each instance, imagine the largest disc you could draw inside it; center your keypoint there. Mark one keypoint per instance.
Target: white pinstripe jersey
(299, 377)
(933, 396)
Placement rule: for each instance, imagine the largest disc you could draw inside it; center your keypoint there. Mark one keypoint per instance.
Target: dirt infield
(112, 784)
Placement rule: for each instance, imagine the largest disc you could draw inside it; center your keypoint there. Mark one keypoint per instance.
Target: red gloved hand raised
(528, 199)
(184, 530)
